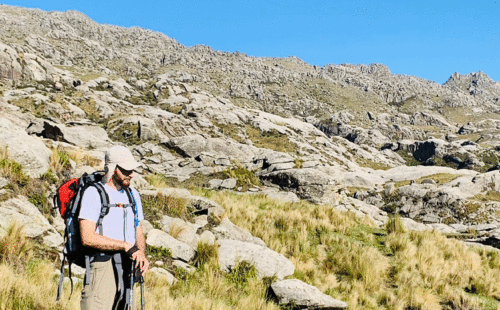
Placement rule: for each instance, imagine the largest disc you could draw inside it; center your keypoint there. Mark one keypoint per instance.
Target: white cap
(120, 156)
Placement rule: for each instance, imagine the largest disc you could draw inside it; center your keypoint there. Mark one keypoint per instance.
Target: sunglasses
(125, 172)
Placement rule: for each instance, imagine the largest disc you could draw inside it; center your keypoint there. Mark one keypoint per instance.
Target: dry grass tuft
(156, 206)
(15, 248)
(60, 163)
(176, 230)
(206, 253)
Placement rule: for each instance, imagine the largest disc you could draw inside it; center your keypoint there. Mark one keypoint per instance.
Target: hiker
(116, 238)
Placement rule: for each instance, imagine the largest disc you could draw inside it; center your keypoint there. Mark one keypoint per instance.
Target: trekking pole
(130, 305)
(141, 281)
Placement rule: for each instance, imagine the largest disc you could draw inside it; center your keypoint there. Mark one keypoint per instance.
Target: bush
(11, 170)
(395, 225)
(60, 163)
(158, 252)
(157, 206)
(245, 178)
(271, 139)
(206, 253)
(241, 274)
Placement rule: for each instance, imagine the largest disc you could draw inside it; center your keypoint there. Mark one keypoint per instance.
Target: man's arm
(92, 239)
(140, 256)
(141, 241)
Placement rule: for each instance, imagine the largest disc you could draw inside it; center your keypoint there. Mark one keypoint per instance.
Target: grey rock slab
(227, 230)
(175, 192)
(23, 212)
(183, 265)
(267, 262)
(297, 293)
(76, 270)
(182, 230)
(443, 228)
(228, 183)
(53, 240)
(214, 183)
(29, 151)
(180, 250)
(311, 184)
(207, 237)
(484, 227)
(201, 220)
(202, 204)
(3, 182)
(402, 173)
(168, 191)
(162, 273)
(281, 166)
(194, 145)
(414, 226)
(366, 209)
(461, 228)
(58, 223)
(85, 135)
(167, 222)
(281, 195)
(146, 227)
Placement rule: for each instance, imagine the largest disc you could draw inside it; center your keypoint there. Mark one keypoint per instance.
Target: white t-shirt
(118, 224)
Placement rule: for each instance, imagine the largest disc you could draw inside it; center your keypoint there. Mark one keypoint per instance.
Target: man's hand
(141, 261)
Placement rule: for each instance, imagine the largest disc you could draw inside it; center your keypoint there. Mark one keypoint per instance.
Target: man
(117, 235)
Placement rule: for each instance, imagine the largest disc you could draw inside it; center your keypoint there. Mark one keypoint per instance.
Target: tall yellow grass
(343, 255)
(26, 282)
(369, 268)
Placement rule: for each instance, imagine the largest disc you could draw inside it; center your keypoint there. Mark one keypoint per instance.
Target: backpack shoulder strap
(104, 205)
(132, 201)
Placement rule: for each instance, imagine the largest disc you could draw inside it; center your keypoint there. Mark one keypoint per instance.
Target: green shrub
(49, 177)
(11, 169)
(206, 253)
(60, 163)
(158, 252)
(408, 158)
(395, 225)
(245, 178)
(241, 274)
(157, 206)
(271, 139)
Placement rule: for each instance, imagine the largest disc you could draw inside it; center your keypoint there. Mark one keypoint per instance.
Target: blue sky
(429, 39)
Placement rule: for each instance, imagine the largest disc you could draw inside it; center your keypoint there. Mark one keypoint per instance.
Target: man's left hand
(141, 261)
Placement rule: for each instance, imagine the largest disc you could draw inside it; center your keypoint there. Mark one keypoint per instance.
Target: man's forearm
(141, 241)
(104, 243)
(92, 239)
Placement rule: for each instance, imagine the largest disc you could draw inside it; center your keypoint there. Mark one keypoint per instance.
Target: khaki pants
(100, 293)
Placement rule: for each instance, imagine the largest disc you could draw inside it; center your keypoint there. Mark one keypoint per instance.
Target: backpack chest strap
(106, 206)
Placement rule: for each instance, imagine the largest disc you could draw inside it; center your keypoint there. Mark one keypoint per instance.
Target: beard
(121, 181)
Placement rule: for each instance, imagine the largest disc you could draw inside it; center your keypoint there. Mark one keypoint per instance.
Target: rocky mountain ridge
(353, 137)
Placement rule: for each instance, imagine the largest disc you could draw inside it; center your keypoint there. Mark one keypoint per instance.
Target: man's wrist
(132, 250)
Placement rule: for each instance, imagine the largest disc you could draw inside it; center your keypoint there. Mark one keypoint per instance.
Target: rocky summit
(354, 137)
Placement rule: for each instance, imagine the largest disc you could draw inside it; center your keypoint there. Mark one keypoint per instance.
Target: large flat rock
(27, 150)
(180, 250)
(267, 262)
(296, 293)
(19, 210)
